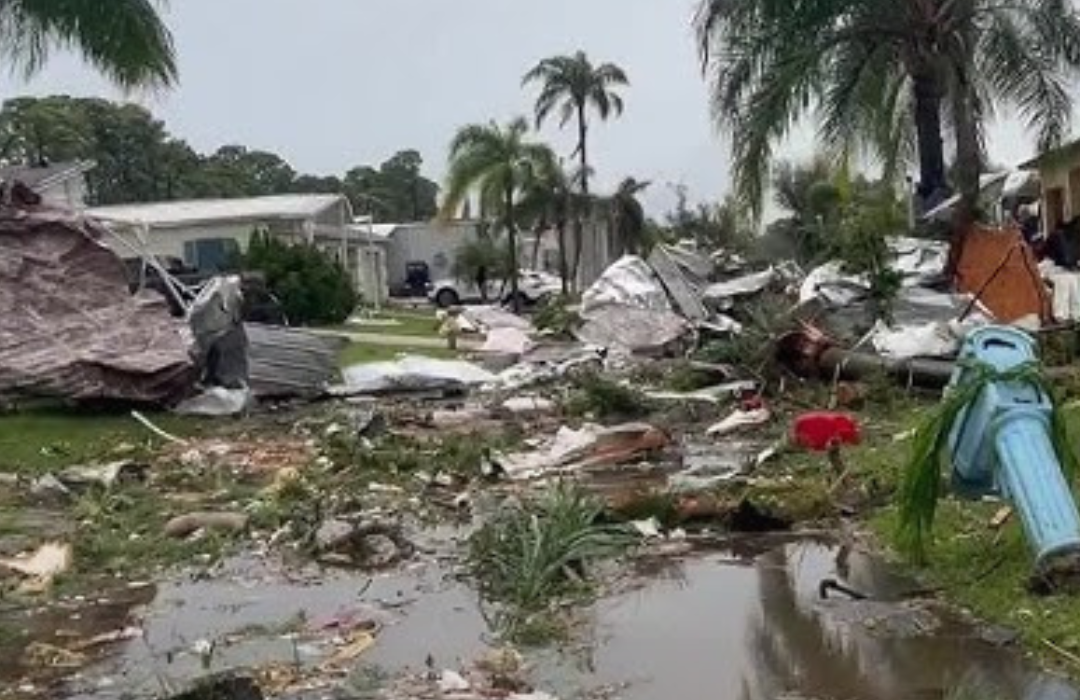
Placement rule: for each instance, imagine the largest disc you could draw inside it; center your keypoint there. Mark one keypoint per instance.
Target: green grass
(362, 353)
(40, 440)
(983, 569)
(420, 323)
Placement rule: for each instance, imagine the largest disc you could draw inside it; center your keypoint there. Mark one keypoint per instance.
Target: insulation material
(1000, 269)
(69, 327)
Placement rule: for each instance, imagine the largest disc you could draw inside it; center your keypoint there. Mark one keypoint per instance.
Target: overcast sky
(329, 84)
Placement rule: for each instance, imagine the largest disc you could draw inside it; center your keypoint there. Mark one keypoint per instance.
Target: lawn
(419, 322)
(359, 353)
(43, 439)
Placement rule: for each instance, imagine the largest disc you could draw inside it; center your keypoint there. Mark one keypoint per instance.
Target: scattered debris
(156, 430)
(186, 525)
(414, 374)
(629, 282)
(637, 331)
(590, 446)
(69, 326)
(42, 566)
(372, 545)
(80, 477)
(739, 419)
(528, 405)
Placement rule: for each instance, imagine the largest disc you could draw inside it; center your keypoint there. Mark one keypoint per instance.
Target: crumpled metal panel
(69, 327)
(286, 362)
(637, 331)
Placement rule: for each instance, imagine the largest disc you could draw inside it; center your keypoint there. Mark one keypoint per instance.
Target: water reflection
(867, 649)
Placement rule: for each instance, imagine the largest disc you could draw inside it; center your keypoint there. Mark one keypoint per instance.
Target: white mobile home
(205, 233)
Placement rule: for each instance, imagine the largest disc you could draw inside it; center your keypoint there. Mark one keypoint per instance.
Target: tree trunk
(538, 237)
(511, 233)
(968, 164)
(564, 273)
(579, 241)
(583, 155)
(929, 93)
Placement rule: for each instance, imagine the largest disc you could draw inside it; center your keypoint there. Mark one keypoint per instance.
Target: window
(211, 254)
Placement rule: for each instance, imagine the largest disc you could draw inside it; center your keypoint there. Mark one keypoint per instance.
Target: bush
(312, 287)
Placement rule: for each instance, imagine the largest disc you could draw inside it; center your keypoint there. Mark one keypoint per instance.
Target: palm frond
(124, 39)
(920, 487)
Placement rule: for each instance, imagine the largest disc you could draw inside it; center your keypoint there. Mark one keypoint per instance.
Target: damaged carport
(71, 330)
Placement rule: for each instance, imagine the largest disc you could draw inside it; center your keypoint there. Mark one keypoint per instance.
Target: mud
(737, 620)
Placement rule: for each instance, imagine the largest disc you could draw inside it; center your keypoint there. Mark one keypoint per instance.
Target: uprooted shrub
(532, 553)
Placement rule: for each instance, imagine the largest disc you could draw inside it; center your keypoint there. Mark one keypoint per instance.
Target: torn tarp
(69, 327)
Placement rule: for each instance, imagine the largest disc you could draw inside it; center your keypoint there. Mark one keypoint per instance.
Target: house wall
(70, 193)
(433, 243)
(1056, 176)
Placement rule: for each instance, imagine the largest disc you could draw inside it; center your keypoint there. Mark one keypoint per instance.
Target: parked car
(533, 287)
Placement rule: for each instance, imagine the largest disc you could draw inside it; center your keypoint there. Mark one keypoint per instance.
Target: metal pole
(372, 259)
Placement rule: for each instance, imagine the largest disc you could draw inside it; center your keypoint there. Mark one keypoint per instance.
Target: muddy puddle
(744, 621)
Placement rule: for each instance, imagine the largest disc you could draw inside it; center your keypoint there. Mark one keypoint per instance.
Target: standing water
(746, 622)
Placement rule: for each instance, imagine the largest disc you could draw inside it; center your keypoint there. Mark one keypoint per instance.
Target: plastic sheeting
(629, 282)
(414, 373)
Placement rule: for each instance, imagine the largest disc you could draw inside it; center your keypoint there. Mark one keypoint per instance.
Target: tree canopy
(138, 160)
(883, 76)
(126, 40)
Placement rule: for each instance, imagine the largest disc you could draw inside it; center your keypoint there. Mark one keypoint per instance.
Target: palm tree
(573, 85)
(883, 75)
(497, 162)
(627, 217)
(124, 39)
(547, 201)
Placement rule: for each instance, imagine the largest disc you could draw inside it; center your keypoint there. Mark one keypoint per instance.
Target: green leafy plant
(556, 317)
(312, 287)
(603, 398)
(920, 487)
(862, 244)
(531, 553)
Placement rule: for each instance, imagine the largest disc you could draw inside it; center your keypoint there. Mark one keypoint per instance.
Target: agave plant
(531, 553)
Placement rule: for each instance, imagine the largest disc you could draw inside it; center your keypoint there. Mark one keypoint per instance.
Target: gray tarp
(69, 327)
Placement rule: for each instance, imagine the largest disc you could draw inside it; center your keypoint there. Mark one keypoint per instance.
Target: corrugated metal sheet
(682, 292)
(69, 328)
(286, 362)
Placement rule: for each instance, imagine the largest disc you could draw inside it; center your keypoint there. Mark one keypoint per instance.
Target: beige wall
(1055, 176)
